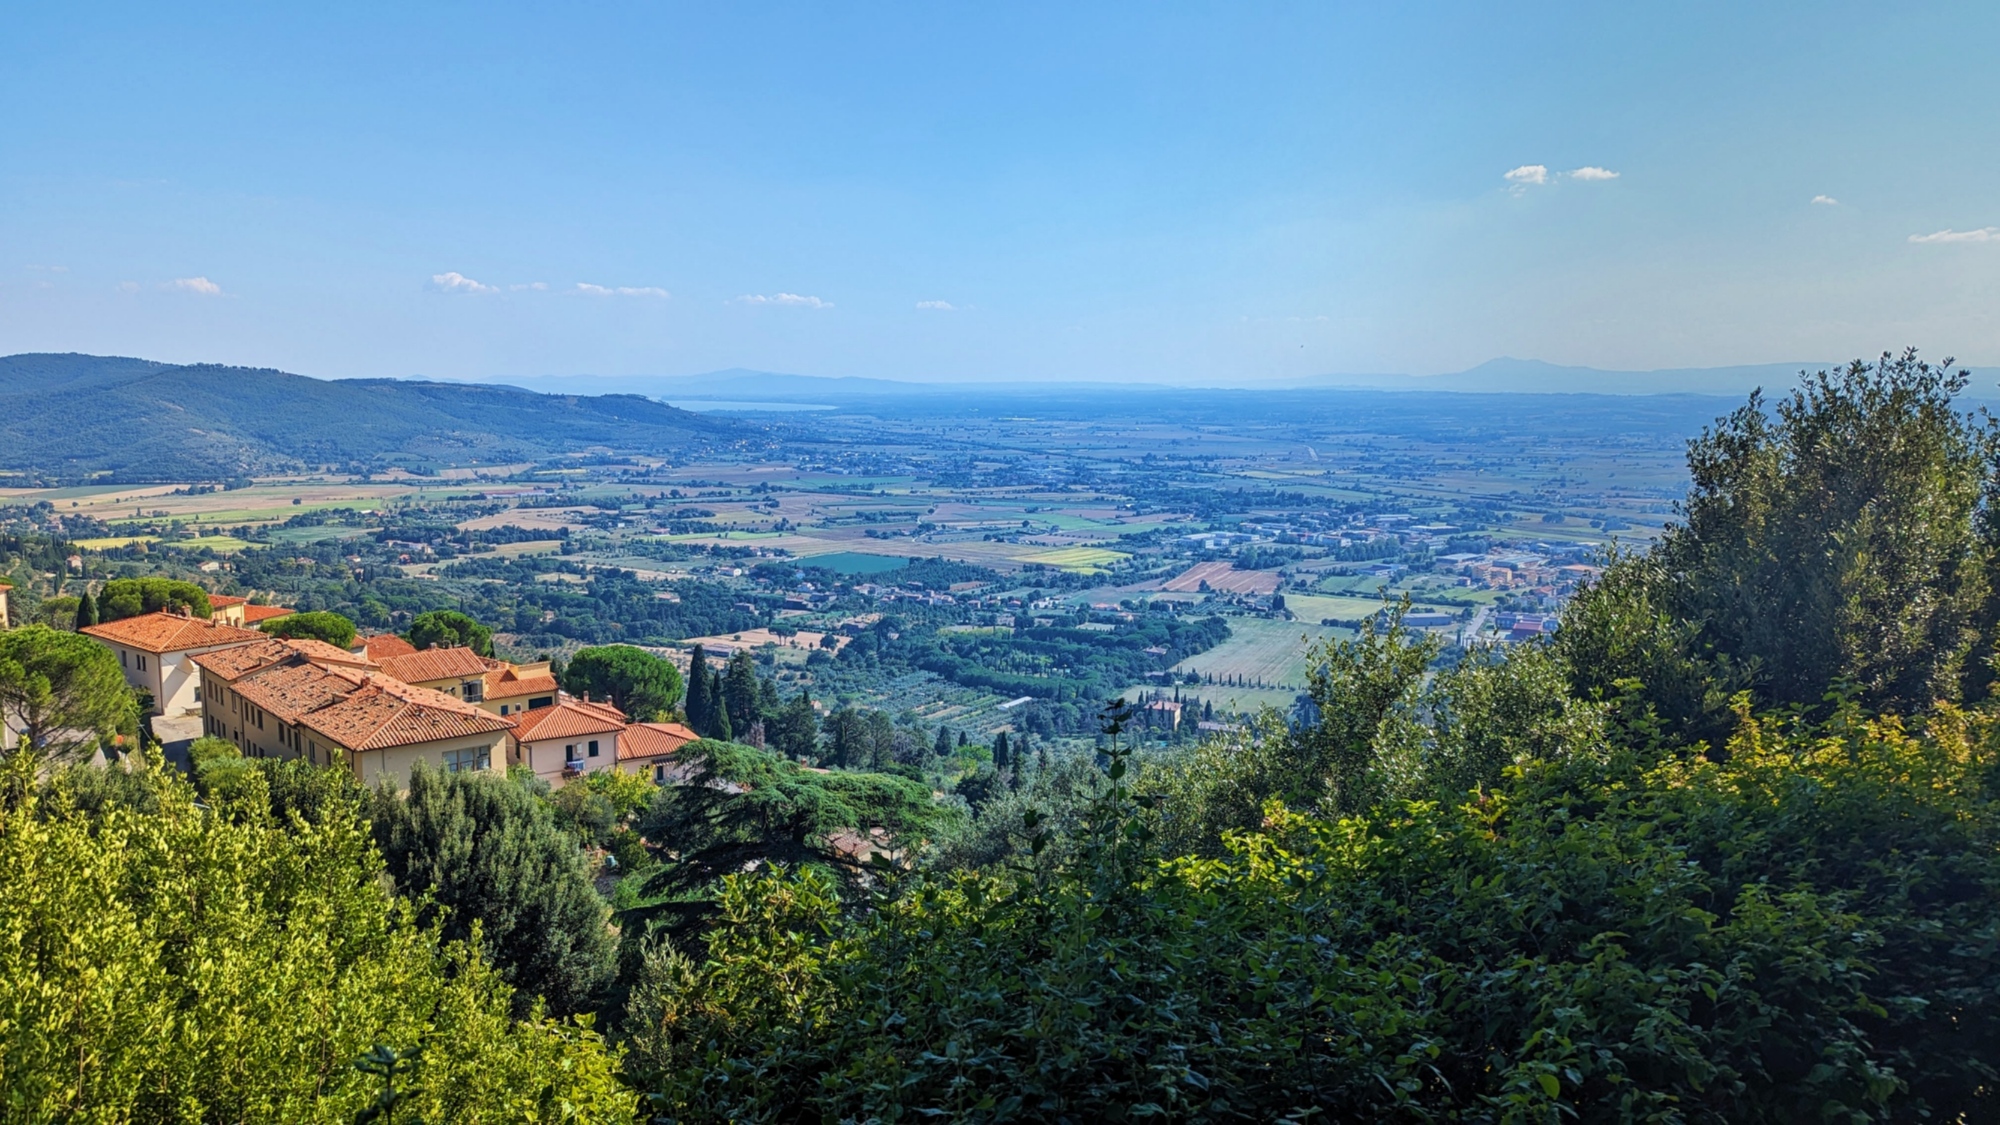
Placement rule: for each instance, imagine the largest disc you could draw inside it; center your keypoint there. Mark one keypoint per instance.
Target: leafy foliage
(1843, 541)
(164, 962)
(63, 692)
(740, 806)
(129, 597)
(448, 628)
(1605, 937)
(318, 625)
(644, 686)
(482, 852)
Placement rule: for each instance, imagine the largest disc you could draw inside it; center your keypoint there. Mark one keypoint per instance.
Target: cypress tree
(697, 692)
(1002, 753)
(477, 847)
(739, 692)
(86, 609)
(719, 725)
(942, 748)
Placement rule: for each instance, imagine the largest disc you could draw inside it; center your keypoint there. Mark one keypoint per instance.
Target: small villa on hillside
(568, 739)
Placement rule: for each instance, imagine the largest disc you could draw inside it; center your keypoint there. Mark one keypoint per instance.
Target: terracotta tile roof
(386, 644)
(434, 664)
(569, 718)
(653, 740)
(383, 712)
(170, 632)
(232, 664)
(224, 601)
(294, 691)
(507, 682)
(252, 614)
(319, 652)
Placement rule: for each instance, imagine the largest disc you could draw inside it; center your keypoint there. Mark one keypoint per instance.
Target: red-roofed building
(384, 727)
(570, 738)
(226, 609)
(258, 614)
(385, 644)
(648, 749)
(514, 688)
(458, 672)
(157, 651)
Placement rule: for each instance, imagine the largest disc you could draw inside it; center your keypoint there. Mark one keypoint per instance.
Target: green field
(1318, 607)
(1079, 559)
(1262, 651)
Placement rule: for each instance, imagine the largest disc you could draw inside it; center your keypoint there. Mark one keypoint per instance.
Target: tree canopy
(481, 851)
(318, 625)
(644, 686)
(129, 597)
(448, 628)
(743, 806)
(1841, 539)
(63, 692)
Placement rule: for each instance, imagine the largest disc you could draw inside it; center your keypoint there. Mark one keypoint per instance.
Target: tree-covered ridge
(69, 416)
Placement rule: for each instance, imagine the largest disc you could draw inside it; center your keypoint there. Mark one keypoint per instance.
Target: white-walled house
(157, 651)
(568, 739)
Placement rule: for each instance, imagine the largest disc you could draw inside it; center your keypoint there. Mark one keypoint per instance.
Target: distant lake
(720, 406)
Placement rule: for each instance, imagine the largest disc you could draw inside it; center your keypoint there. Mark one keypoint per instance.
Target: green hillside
(71, 416)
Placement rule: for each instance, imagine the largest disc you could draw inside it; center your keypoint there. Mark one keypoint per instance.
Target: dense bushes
(160, 961)
(1804, 932)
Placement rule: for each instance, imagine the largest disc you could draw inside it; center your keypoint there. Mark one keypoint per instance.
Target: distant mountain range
(68, 417)
(1496, 376)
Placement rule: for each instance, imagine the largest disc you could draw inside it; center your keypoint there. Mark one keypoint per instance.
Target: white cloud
(1826, 201)
(621, 290)
(452, 281)
(785, 299)
(200, 285)
(128, 287)
(1528, 174)
(1983, 234)
(529, 285)
(940, 306)
(1592, 172)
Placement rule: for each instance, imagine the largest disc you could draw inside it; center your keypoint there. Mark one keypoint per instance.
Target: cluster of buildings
(380, 707)
(1504, 570)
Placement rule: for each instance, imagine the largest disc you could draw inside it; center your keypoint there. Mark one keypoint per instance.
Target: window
(541, 701)
(475, 690)
(569, 752)
(142, 663)
(660, 774)
(593, 748)
(503, 708)
(478, 758)
(122, 662)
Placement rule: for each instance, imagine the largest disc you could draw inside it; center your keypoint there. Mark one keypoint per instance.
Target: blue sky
(1218, 194)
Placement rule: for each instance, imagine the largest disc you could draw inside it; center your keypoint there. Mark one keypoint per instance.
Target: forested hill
(69, 416)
